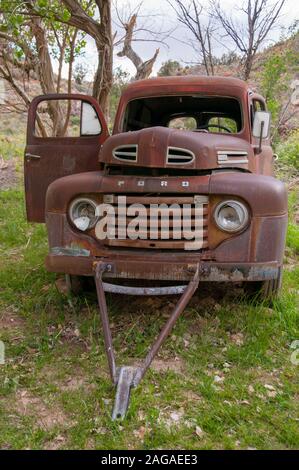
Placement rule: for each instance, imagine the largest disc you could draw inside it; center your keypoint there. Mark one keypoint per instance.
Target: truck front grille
(172, 236)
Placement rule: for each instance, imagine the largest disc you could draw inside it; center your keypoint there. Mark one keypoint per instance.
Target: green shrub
(11, 144)
(288, 151)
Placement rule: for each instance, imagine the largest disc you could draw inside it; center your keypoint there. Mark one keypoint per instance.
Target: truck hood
(161, 147)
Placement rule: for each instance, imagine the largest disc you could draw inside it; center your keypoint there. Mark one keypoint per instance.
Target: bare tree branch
(143, 68)
(8, 76)
(260, 17)
(99, 30)
(191, 16)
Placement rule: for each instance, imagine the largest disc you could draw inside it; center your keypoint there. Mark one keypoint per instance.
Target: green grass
(12, 143)
(287, 151)
(55, 387)
(293, 229)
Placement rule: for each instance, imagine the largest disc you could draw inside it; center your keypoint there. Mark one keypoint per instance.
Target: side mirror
(90, 123)
(261, 124)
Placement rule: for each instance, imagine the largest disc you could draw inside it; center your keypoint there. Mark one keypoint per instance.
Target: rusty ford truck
(182, 192)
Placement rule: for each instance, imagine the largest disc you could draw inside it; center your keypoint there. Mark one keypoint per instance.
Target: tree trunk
(104, 76)
(247, 67)
(69, 80)
(143, 68)
(103, 79)
(46, 74)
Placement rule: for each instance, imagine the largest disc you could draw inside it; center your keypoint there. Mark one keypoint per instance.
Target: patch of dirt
(171, 418)
(75, 379)
(176, 365)
(160, 365)
(175, 418)
(192, 396)
(8, 175)
(46, 417)
(55, 444)
(293, 184)
(10, 321)
(61, 285)
(237, 338)
(74, 383)
(262, 376)
(69, 333)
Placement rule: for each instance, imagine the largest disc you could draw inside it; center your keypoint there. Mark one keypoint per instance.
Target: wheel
(75, 284)
(264, 290)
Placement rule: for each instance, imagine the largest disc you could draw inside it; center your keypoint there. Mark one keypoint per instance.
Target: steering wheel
(218, 126)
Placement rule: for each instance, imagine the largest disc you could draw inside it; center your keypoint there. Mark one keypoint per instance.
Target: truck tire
(264, 290)
(75, 284)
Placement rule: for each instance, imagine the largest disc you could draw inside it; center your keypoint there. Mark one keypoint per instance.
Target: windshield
(195, 113)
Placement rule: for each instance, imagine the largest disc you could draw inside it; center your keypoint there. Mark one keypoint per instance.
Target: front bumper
(161, 269)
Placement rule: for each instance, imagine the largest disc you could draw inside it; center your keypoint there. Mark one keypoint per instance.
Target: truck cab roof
(185, 81)
(188, 85)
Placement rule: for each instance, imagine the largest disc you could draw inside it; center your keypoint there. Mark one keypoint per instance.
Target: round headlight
(82, 213)
(231, 216)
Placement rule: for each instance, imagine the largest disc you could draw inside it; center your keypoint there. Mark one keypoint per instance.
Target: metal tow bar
(126, 377)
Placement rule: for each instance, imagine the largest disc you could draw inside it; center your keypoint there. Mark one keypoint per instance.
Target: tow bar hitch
(125, 378)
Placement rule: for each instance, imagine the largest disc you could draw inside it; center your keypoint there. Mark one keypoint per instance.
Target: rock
(237, 338)
(76, 332)
(269, 387)
(175, 416)
(198, 431)
(3, 164)
(218, 379)
(61, 285)
(140, 433)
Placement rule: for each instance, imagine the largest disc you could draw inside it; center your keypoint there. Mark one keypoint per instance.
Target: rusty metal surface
(175, 238)
(59, 156)
(153, 144)
(146, 269)
(99, 270)
(162, 86)
(259, 244)
(69, 251)
(264, 194)
(128, 290)
(251, 246)
(270, 245)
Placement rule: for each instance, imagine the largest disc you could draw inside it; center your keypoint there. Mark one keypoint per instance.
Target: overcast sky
(161, 17)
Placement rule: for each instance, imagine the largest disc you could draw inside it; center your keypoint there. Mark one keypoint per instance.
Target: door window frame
(33, 139)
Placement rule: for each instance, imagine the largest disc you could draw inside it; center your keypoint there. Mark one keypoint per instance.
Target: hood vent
(126, 153)
(230, 157)
(178, 156)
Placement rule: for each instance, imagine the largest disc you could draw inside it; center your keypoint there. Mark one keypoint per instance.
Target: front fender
(265, 195)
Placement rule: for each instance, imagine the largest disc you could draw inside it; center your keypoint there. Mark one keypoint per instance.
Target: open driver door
(64, 135)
